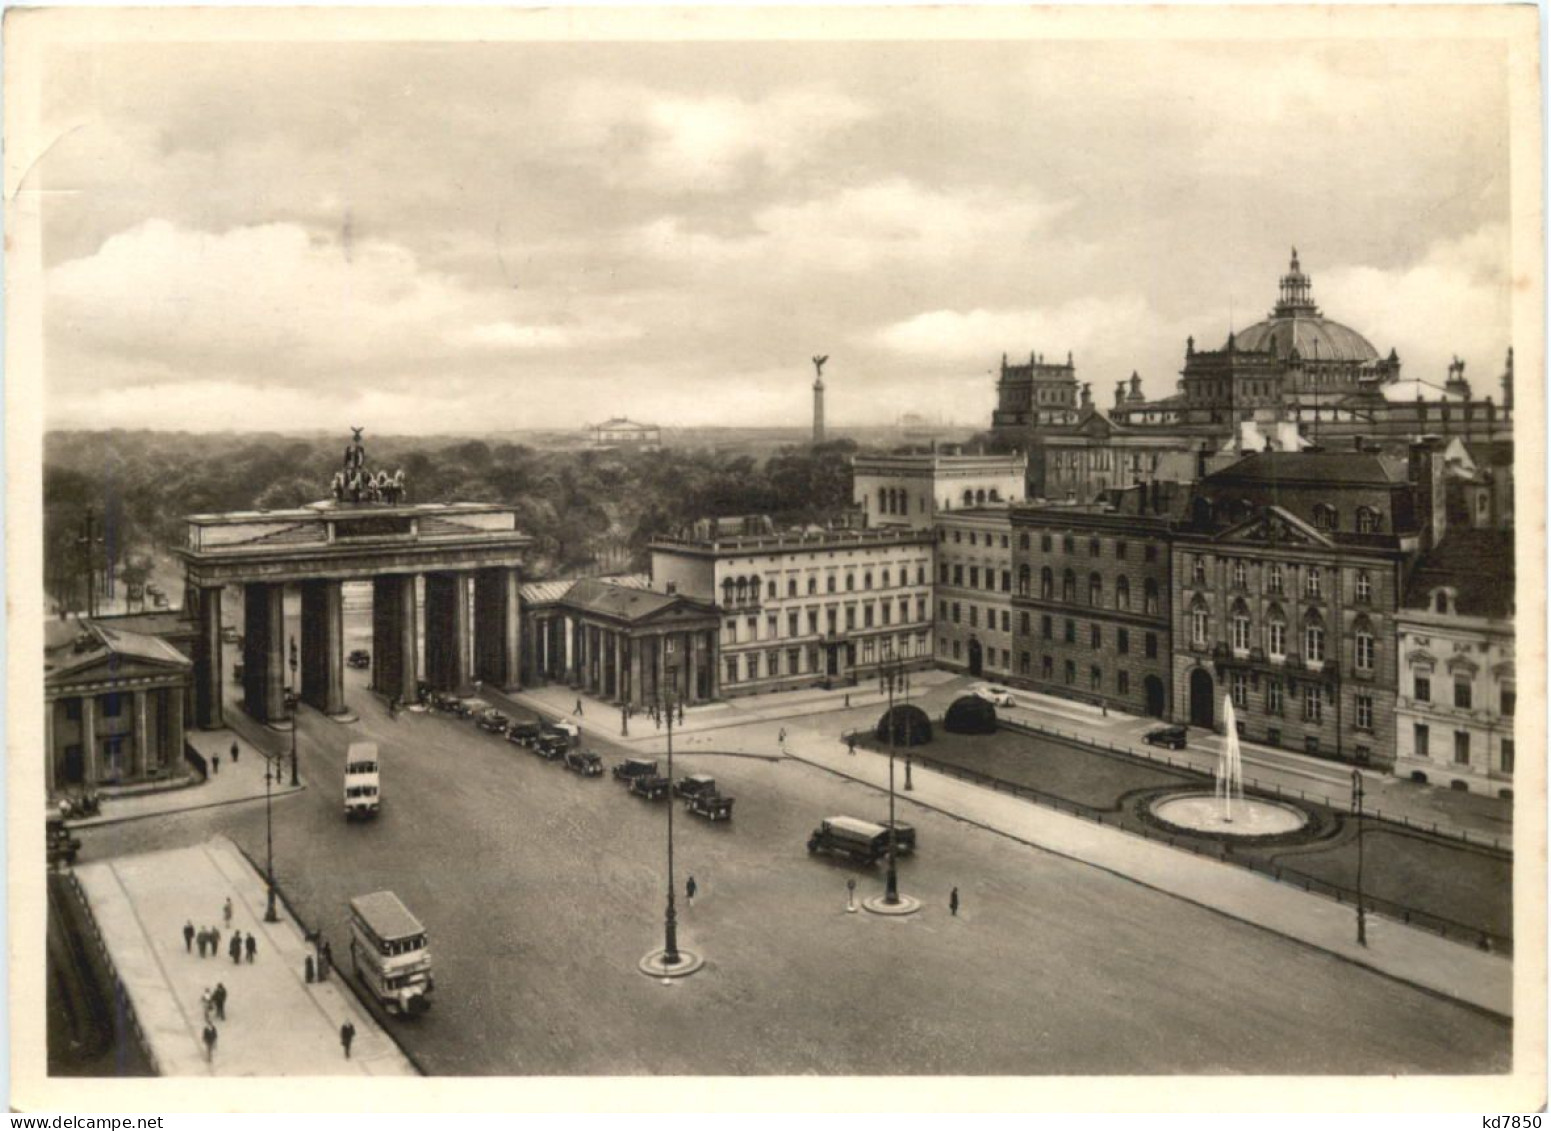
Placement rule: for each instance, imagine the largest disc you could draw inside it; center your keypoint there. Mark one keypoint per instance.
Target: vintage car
(653, 787)
(693, 785)
(584, 762)
(494, 721)
(991, 694)
(360, 658)
(229, 634)
(551, 746)
(159, 600)
(712, 806)
(1173, 737)
(632, 768)
(62, 845)
(865, 841)
(523, 734)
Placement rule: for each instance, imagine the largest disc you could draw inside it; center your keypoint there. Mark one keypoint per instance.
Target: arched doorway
(1153, 687)
(976, 660)
(1201, 698)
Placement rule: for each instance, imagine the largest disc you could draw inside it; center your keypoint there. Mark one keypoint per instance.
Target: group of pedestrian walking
(214, 1004)
(238, 946)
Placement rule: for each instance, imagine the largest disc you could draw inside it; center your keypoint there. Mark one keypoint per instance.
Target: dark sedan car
(360, 658)
(1173, 737)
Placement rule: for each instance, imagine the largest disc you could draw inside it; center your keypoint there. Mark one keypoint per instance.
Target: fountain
(1227, 812)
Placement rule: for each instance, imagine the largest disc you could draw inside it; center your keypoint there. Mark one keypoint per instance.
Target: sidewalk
(1408, 954)
(242, 781)
(276, 1023)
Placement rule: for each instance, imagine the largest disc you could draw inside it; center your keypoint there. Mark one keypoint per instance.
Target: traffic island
(879, 905)
(653, 965)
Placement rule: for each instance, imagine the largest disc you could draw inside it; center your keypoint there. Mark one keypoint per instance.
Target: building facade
(114, 706)
(911, 490)
(809, 607)
(1091, 602)
(620, 432)
(1287, 581)
(1458, 687)
(974, 591)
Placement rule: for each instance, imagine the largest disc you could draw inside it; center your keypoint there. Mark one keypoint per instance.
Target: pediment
(1275, 526)
(112, 669)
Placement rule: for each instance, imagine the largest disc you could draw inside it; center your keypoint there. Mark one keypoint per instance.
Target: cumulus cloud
(272, 303)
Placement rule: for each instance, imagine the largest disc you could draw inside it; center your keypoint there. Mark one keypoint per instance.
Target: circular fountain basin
(1204, 813)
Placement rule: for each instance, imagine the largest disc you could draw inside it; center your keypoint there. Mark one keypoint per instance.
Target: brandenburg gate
(470, 555)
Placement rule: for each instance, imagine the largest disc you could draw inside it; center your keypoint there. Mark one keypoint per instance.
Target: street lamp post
(891, 881)
(271, 775)
(1357, 809)
(670, 949)
(89, 541)
(291, 701)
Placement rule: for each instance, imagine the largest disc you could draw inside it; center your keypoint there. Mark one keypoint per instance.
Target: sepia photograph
(620, 557)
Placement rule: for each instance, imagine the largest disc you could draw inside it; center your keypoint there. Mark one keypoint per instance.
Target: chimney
(1425, 470)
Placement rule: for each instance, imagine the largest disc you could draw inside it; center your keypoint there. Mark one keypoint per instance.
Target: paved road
(541, 891)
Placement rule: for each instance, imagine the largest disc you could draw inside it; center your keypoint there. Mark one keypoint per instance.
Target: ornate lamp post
(291, 700)
(670, 948)
(1357, 810)
(271, 775)
(892, 674)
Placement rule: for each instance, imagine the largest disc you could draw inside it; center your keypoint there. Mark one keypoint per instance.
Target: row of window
(974, 537)
(811, 660)
(951, 611)
(956, 647)
(1150, 600)
(1275, 578)
(1240, 635)
(1421, 740)
(745, 590)
(872, 612)
(1069, 673)
(1313, 699)
(956, 575)
(1095, 546)
(896, 500)
(1464, 694)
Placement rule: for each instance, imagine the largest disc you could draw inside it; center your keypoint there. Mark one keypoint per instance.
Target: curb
(1441, 995)
(101, 822)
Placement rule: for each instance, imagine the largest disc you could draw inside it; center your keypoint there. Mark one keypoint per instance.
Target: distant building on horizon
(622, 432)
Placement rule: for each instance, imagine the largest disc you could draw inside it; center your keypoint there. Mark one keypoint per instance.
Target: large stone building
(1458, 686)
(1091, 600)
(1288, 574)
(115, 703)
(620, 432)
(807, 606)
(974, 591)
(911, 490)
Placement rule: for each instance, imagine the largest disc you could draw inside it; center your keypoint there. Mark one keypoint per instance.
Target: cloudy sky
(489, 236)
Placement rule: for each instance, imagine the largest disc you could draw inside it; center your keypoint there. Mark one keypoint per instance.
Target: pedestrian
(782, 738)
(219, 997)
(311, 972)
(188, 937)
(215, 942)
(953, 901)
(210, 1035)
(681, 714)
(657, 718)
(236, 750)
(578, 710)
(346, 1035)
(204, 941)
(326, 960)
(226, 911)
(848, 698)
(250, 946)
(851, 743)
(235, 947)
(215, 763)
(207, 1001)
(690, 888)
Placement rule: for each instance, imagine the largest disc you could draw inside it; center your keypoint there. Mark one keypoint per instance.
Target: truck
(860, 840)
(363, 785)
(389, 954)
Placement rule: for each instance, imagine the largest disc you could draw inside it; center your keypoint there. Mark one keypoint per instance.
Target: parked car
(653, 787)
(552, 746)
(523, 734)
(237, 673)
(360, 658)
(867, 841)
(494, 721)
(584, 762)
(992, 694)
(1173, 737)
(632, 768)
(159, 600)
(229, 634)
(694, 785)
(711, 806)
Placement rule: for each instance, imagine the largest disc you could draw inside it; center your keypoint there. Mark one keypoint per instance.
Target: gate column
(447, 630)
(208, 713)
(323, 645)
(263, 651)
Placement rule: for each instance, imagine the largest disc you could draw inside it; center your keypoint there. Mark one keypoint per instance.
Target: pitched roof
(72, 646)
(1477, 564)
(555, 589)
(1338, 467)
(596, 595)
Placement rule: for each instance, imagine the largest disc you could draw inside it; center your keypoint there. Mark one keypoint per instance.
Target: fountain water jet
(1230, 765)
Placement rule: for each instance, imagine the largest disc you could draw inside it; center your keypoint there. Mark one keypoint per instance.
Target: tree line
(587, 510)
